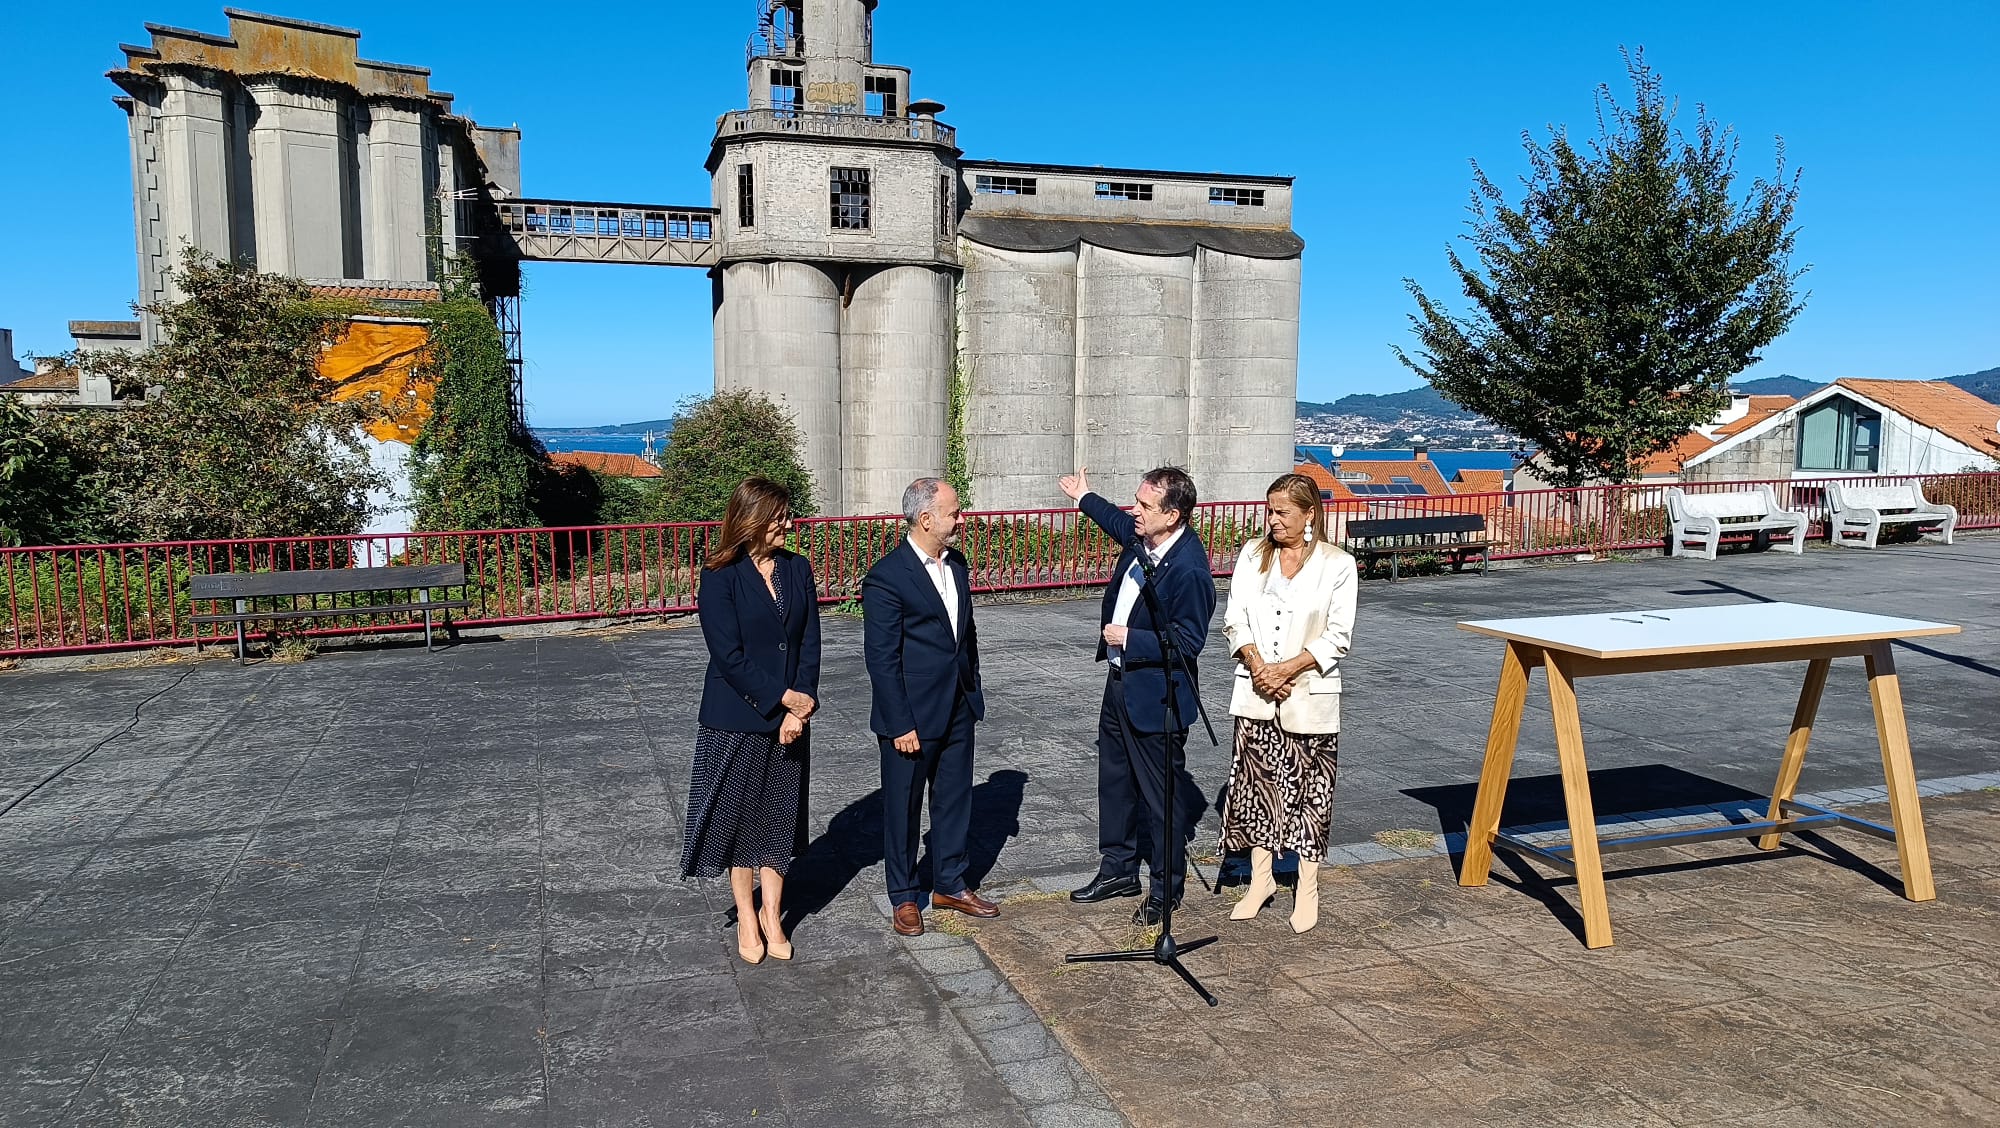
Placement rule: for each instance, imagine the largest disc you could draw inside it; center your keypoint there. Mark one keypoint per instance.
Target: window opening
(1840, 435)
(1004, 185)
(880, 96)
(746, 196)
(1237, 197)
(851, 198)
(1121, 190)
(787, 95)
(946, 204)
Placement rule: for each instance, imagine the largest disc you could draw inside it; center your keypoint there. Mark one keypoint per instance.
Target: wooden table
(1687, 638)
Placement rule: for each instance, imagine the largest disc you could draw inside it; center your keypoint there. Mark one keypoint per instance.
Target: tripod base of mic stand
(1164, 952)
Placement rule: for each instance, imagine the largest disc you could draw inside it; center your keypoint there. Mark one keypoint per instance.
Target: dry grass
(1035, 897)
(1406, 839)
(291, 651)
(951, 924)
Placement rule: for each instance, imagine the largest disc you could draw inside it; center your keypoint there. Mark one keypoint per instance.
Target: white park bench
(1702, 518)
(1861, 511)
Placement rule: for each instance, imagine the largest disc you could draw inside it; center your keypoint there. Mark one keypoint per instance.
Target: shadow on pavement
(852, 844)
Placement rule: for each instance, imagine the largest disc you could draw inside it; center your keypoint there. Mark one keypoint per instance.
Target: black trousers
(1132, 797)
(945, 767)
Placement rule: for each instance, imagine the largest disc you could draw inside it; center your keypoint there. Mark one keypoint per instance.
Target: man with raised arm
(1139, 739)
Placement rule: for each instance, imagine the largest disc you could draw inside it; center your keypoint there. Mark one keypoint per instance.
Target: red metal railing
(77, 598)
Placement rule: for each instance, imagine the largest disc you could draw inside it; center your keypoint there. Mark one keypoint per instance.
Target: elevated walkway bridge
(585, 231)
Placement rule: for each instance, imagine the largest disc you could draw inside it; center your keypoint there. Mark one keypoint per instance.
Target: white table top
(1694, 630)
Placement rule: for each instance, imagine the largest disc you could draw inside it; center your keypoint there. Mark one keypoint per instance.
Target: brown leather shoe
(968, 902)
(908, 920)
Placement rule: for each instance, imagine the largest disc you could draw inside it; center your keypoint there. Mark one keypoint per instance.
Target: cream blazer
(1314, 613)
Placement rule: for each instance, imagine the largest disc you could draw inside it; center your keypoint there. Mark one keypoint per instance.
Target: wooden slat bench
(243, 587)
(1453, 535)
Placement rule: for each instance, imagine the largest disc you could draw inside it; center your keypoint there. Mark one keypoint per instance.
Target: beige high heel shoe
(750, 955)
(774, 939)
(1262, 886)
(1305, 910)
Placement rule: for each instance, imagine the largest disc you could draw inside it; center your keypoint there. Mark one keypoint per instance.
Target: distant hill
(1985, 385)
(1388, 406)
(659, 425)
(1777, 386)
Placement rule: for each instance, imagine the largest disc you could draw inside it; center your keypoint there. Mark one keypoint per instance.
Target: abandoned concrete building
(867, 277)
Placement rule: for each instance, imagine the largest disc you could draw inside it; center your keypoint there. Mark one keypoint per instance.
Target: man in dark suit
(923, 663)
(1138, 739)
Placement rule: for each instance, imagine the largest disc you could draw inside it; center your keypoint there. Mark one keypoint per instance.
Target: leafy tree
(238, 435)
(720, 440)
(1611, 306)
(25, 494)
(474, 466)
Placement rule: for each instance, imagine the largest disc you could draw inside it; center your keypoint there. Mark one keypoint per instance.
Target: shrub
(720, 440)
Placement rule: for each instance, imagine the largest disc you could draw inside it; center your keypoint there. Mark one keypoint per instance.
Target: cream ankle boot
(1262, 885)
(1305, 909)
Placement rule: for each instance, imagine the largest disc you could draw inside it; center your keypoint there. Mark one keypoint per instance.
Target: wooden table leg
(1501, 736)
(1576, 797)
(1912, 848)
(1795, 748)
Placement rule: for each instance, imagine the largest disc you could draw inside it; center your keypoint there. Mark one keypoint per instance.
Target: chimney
(1422, 447)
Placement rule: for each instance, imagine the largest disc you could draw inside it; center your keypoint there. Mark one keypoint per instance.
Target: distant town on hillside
(1374, 421)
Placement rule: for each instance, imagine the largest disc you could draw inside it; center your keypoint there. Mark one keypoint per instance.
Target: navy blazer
(754, 656)
(1187, 591)
(917, 667)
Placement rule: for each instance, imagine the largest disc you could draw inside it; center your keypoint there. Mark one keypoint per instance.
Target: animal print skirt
(1280, 790)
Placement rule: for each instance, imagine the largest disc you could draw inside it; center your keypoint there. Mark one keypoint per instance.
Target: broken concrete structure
(891, 295)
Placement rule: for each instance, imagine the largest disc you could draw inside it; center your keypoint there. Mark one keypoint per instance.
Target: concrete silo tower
(837, 263)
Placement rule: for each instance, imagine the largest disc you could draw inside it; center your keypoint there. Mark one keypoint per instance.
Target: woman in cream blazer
(1289, 622)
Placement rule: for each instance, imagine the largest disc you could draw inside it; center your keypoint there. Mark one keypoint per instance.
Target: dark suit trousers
(945, 766)
(1132, 795)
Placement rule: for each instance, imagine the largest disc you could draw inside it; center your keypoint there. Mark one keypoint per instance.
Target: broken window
(880, 96)
(787, 92)
(946, 205)
(1237, 197)
(1122, 190)
(851, 198)
(746, 196)
(1004, 185)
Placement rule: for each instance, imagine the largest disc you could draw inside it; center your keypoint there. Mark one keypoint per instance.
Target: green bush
(720, 440)
(82, 598)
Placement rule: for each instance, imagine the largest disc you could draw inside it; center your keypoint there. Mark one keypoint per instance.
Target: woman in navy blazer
(747, 799)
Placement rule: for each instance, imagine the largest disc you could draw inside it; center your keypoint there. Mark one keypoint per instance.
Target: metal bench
(1861, 511)
(1702, 519)
(244, 587)
(1450, 535)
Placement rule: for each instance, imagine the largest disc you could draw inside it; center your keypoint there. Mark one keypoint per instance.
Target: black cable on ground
(87, 753)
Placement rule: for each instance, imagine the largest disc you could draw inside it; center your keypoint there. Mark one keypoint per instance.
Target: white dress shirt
(947, 584)
(1128, 593)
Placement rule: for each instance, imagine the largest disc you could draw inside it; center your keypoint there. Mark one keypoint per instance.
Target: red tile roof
(1943, 407)
(380, 293)
(1480, 481)
(1329, 486)
(1424, 473)
(54, 380)
(610, 465)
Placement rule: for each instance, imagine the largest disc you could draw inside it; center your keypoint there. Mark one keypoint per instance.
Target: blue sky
(1888, 108)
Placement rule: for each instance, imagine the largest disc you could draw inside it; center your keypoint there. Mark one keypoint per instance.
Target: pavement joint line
(939, 957)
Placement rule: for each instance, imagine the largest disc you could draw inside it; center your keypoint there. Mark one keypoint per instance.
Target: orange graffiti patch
(380, 362)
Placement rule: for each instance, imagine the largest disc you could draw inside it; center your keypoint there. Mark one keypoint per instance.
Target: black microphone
(1145, 557)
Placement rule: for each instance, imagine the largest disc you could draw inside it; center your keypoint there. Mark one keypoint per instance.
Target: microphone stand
(1165, 951)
